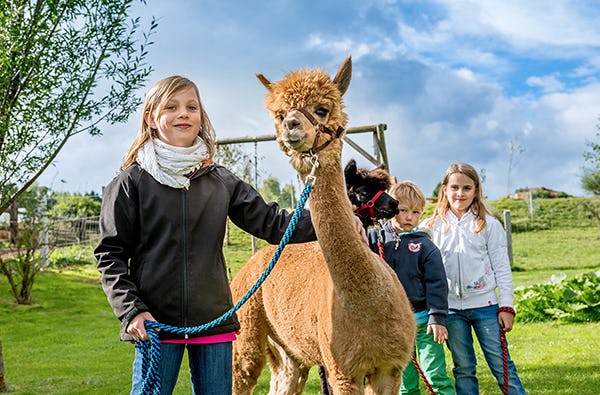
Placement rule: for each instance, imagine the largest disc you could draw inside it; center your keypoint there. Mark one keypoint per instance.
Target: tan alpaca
(332, 303)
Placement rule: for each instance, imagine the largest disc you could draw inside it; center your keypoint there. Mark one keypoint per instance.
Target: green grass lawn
(66, 342)
(557, 249)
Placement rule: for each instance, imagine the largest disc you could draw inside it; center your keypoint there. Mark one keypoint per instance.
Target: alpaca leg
(288, 376)
(248, 364)
(341, 384)
(325, 387)
(250, 348)
(384, 383)
(347, 387)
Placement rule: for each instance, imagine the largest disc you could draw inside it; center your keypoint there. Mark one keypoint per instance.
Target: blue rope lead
(150, 350)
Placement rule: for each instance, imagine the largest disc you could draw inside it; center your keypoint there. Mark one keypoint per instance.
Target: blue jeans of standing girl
(484, 321)
(210, 368)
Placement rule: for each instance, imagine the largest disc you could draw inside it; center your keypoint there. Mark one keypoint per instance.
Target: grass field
(66, 342)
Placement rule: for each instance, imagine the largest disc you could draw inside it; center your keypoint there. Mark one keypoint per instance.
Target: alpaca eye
(279, 117)
(322, 112)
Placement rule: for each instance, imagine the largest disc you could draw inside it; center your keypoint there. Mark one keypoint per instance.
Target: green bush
(74, 255)
(575, 300)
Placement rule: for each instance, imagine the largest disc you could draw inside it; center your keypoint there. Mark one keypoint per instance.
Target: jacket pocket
(476, 281)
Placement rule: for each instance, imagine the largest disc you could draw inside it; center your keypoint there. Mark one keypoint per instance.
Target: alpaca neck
(349, 259)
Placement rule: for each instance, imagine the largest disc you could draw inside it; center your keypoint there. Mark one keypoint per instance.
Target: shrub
(72, 256)
(575, 300)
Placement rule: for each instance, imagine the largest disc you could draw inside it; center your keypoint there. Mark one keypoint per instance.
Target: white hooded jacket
(476, 264)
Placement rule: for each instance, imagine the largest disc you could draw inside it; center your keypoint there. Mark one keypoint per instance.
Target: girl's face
(178, 122)
(460, 192)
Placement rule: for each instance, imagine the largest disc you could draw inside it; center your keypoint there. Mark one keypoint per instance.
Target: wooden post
(254, 243)
(2, 383)
(508, 230)
(44, 249)
(531, 205)
(381, 148)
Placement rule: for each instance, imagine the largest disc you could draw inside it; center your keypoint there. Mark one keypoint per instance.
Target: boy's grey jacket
(160, 248)
(418, 265)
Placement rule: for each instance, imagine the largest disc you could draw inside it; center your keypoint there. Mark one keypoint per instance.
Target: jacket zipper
(460, 293)
(185, 258)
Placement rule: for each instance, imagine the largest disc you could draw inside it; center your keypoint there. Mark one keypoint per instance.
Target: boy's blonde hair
(408, 193)
(155, 101)
(478, 207)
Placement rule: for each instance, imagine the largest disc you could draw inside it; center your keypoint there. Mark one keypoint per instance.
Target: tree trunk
(2, 383)
(14, 221)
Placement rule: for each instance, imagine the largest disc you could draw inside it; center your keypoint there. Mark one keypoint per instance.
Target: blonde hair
(478, 207)
(155, 101)
(407, 192)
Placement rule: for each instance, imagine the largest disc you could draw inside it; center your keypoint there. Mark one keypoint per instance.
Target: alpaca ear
(264, 81)
(342, 78)
(350, 172)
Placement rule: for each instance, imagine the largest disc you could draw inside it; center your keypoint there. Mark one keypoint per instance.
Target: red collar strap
(369, 206)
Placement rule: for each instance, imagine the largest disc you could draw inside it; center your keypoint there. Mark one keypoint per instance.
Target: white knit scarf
(168, 164)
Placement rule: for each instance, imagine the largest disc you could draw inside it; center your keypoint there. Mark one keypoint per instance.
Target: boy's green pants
(432, 361)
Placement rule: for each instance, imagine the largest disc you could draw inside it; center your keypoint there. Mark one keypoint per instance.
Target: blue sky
(453, 81)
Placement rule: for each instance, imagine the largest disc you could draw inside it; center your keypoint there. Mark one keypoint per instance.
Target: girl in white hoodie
(480, 298)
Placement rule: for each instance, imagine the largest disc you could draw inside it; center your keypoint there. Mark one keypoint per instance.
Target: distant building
(539, 192)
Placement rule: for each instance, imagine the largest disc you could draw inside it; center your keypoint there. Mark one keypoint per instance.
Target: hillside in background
(548, 233)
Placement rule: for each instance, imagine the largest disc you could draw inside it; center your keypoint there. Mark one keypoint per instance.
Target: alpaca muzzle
(298, 122)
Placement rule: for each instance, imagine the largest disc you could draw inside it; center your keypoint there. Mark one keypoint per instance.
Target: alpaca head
(307, 107)
(366, 191)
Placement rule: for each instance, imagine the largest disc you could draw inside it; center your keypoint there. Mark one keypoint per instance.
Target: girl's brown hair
(478, 207)
(155, 101)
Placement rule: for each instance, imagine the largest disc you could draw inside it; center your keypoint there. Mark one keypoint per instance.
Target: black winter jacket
(160, 248)
(418, 265)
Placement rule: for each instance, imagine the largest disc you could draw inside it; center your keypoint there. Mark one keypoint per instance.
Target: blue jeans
(210, 368)
(484, 321)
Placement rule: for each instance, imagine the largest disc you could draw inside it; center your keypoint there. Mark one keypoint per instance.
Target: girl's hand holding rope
(506, 318)
(136, 326)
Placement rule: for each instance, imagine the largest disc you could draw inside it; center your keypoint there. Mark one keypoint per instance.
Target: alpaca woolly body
(335, 302)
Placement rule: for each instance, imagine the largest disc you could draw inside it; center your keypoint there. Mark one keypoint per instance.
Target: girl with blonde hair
(162, 227)
(480, 297)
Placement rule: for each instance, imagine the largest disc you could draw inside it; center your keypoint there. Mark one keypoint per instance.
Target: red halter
(370, 206)
(319, 127)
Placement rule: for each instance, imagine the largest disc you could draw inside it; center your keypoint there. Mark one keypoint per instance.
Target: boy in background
(411, 253)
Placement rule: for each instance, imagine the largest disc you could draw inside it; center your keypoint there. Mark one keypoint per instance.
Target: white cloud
(527, 24)
(590, 68)
(548, 83)
(574, 115)
(466, 74)
(452, 80)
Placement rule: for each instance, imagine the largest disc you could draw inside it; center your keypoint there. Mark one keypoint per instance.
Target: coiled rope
(512, 311)
(150, 350)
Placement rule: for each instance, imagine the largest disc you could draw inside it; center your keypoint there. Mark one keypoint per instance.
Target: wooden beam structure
(378, 157)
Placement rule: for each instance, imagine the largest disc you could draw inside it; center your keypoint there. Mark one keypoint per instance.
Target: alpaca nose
(291, 123)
